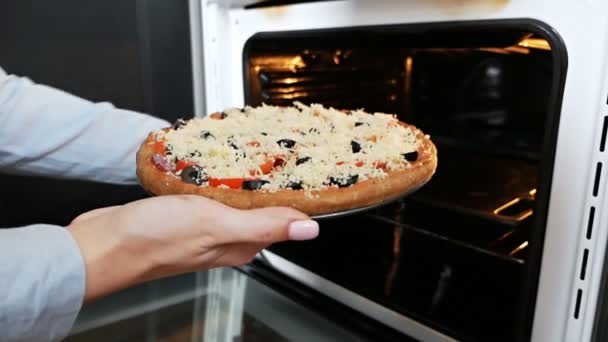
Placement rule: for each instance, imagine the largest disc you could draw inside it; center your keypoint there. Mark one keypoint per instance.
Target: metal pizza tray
(354, 211)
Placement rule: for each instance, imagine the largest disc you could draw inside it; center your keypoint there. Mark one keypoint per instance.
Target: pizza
(315, 159)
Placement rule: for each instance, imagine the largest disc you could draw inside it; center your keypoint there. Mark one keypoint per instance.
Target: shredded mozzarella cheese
(339, 145)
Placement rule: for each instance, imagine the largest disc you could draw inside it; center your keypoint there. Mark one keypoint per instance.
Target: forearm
(44, 131)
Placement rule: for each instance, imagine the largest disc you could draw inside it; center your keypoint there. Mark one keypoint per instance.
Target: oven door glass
(461, 254)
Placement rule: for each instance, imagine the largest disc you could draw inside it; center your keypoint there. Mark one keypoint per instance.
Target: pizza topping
(343, 182)
(267, 166)
(160, 162)
(355, 146)
(411, 156)
(182, 164)
(278, 162)
(294, 185)
(207, 135)
(168, 149)
(194, 174)
(218, 116)
(381, 165)
(237, 149)
(302, 160)
(233, 183)
(254, 184)
(287, 143)
(195, 154)
(159, 147)
(179, 123)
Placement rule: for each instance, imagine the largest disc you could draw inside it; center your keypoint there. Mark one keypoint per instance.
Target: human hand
(168, 235)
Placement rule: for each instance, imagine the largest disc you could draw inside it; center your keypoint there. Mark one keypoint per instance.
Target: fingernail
(303, 230)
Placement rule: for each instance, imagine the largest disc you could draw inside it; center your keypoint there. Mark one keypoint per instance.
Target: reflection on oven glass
(219, 305)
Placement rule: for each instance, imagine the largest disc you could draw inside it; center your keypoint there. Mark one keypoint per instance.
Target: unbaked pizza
(315, 159)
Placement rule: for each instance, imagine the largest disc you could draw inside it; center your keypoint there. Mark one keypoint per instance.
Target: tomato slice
(381, 165)
(267, 166)
(159, 147)
(233, 183)
(254, 143)
(218, 116)
(182, 164)
(340, 163)
(359, 163)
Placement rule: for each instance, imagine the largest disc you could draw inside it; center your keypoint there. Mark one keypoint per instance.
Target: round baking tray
(354, 211)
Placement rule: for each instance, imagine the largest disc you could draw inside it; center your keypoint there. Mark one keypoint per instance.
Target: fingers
(270, 225)
(94, 213)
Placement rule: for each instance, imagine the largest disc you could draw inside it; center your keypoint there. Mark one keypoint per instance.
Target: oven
(507, 241)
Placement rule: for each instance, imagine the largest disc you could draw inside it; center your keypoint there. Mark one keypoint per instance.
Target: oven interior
(456, 254)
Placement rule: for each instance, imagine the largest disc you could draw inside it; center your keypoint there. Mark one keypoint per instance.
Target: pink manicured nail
(303, 230)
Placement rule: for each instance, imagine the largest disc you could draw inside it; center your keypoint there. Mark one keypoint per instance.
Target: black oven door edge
(560, 60)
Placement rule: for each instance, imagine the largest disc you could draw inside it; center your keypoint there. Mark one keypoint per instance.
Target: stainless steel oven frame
(571, 265)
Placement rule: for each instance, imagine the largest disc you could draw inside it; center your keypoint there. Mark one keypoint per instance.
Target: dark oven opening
(462, 254)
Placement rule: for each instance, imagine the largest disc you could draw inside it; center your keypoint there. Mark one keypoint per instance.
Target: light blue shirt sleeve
(42, 283)
(44, 131)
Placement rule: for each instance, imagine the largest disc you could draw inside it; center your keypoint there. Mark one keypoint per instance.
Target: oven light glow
(297, 63)
(535, 43)
(519, 248)
(289, 80)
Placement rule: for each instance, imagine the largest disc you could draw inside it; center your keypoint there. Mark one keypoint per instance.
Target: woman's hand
(168, 235)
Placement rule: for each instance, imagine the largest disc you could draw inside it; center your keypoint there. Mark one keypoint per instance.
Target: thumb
(274, 224)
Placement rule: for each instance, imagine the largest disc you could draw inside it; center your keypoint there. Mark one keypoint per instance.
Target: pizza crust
(364, 193)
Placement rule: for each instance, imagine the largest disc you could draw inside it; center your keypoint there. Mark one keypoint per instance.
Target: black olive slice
(355, 146)
(313, 130)
(411, 156)
(287, 143)
(194, 174)
(294, 185)
(207, 135)
(195, 153)
(264, 133)
(179, 123)
(169, 149)
(343, 182)
(302, 160)
(254, 184)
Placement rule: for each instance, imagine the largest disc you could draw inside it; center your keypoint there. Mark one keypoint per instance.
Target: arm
(44, 131)
(42, 283)
(47, 272)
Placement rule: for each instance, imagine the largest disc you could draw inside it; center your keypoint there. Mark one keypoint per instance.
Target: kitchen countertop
(218, 305)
